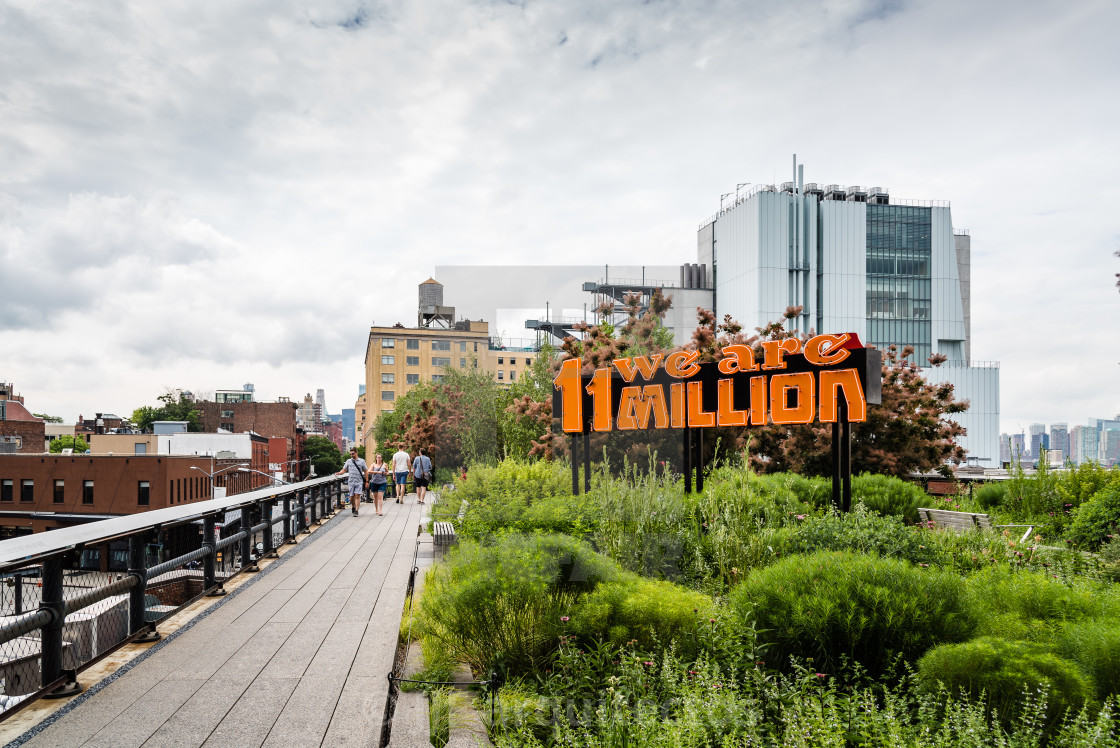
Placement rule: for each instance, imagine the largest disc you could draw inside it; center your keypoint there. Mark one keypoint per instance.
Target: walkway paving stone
(297, 658)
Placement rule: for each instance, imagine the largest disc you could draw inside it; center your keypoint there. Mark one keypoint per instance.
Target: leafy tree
(458, 420)
(77, 443)
(48, 419)
(176, 407)
(324, 454)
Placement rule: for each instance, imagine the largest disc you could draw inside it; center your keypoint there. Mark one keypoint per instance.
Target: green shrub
(1002, 595)
(998, 672)
(889, 496)
(1096, 519)
(498, 498)
(1077, 485)
(654, 613)
(503, 603)
(831, 605)
(990, 495)
(1094, 645)
(858, 531)
(816, 492)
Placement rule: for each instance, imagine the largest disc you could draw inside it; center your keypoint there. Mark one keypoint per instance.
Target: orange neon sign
(787, 383)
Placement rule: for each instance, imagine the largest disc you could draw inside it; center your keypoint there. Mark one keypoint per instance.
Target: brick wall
(32, 434)
(267, 419)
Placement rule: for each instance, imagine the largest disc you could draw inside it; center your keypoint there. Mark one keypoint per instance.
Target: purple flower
(563, 619)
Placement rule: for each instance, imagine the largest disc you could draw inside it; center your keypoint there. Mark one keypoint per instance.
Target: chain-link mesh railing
(64, 606)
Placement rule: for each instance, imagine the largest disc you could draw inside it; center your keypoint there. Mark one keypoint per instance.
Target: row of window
(445, 361)
(413, 344)
(183, 489)
(27, 491)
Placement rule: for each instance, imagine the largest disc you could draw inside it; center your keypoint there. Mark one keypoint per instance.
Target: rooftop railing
(71, 596)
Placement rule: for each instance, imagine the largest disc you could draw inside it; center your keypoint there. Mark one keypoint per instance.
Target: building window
(462, 363)
(437, 378)
(59, 491)
(140, 448)
(26, 490)
(412, 361)
(412, 344)
(462, 346)
(226, 427)
(6, 490)
(512, 376)
(501, 376)
(388, 361)
(227, 414)
(441, 345)
(501, 360)
(388, 395)
(388, 343)
(143, 493)
(412, 378)
(388, 378)
(87, 492)
(439, 361)
(528, 362)
(476, 347)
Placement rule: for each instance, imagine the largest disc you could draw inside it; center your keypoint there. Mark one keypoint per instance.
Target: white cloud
(201, 194)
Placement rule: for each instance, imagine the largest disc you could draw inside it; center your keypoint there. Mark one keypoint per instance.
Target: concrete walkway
(297, 658)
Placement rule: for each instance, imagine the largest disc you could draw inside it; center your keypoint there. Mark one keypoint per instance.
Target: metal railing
(105, 583)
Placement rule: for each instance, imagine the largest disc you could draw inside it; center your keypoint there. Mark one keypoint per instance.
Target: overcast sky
(200, 194)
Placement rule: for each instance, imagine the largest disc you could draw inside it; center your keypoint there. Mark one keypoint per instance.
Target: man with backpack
(421, 474)
(355, 469)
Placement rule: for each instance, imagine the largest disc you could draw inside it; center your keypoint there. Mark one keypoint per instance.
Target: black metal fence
(70, 596)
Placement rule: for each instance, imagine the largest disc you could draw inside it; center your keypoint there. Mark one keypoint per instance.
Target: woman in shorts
(378, 478)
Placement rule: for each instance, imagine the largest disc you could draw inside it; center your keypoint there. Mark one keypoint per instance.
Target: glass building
(856, 260)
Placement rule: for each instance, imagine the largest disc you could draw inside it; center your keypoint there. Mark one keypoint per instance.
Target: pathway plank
(298, 657)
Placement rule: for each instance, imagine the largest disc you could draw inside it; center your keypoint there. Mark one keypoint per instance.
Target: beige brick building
(399, 358)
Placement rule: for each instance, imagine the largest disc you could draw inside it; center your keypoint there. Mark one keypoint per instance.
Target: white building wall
(206, 444)
(980, 386)
(737, 272)
(947, 310)
(844, 267)
(681, 319)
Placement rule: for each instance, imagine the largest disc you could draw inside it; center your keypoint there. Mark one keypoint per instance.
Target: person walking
(378, 477)
(421, 474)
(355, 469)
(401, 462)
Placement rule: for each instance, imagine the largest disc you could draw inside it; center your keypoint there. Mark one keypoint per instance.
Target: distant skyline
(199, 196)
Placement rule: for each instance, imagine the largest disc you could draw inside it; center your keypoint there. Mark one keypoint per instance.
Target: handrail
(50, 550)
(29, 548)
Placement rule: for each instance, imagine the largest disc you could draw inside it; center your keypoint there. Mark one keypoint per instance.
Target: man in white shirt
(401, 464)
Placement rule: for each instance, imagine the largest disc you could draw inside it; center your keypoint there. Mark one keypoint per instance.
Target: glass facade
(898, 278)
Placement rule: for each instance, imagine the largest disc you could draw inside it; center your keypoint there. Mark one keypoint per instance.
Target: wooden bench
(443, 534)
(966, 521)
(955, 520)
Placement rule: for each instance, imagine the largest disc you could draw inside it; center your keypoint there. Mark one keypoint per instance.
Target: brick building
(270, 420)
(40, 492)
(20, 432)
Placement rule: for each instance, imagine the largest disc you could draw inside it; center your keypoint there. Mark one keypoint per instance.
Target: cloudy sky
(200, 195)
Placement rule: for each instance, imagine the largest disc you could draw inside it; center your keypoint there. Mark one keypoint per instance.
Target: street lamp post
(215, 473)
(267, 475)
